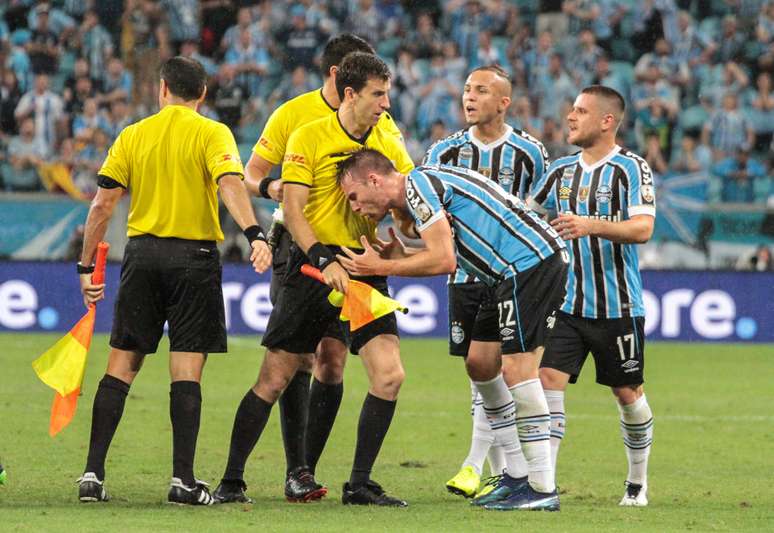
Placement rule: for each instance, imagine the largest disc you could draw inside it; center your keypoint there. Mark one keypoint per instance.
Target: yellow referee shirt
(293, 114)
(311, 157)
(170, 162)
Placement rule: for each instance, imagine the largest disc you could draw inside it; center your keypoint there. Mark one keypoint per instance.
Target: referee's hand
(91, 293)
(336, 277)
(260, 257)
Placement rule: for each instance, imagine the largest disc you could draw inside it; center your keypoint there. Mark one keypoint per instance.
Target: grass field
(712, 464)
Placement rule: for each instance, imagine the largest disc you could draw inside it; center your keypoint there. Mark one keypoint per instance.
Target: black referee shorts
(302, 314)
(170, 280)
(279, 258)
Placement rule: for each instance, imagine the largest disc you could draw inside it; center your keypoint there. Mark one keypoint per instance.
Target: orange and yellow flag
(62, 366)
(361, 304)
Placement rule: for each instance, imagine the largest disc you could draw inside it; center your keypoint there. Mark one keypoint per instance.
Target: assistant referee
(172, 163)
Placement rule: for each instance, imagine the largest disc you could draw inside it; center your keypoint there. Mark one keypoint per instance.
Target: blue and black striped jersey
(495, 234)
(515, 161)
(604, 278)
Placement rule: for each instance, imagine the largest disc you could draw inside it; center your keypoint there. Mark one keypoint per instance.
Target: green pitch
(711, 465)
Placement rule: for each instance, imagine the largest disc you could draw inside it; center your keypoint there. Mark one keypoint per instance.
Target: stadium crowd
(697, 74)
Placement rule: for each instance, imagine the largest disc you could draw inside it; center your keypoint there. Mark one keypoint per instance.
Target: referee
(173, 164)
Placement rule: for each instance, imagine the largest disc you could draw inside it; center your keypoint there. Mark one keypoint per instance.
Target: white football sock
(533, 421)
(501, 413)
(482, 437)
(637, 432)
(496, 458)
(555, 400)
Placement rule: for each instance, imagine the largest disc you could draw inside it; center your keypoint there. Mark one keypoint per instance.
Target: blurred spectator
(760, 102)
(692, 156)
(406, 82)
(553, 138)
(230, 96)
(731, 42)
(438, 131)
(425, 40)
(117, 118)
(486, 53)
(467, 19)
(45, 108)
(538, 58)
(722, 79)
(439, 97)
(183, 21)
(25, 152)
(654, 154)
(249, 61)
(10, 94)
(95, 43)
(552, 18)
(19, 61)
(84, 89)
(117, 82)
(669, 67)
(58, 21)
(521, 117)
(728, 130)
(658, 120)
(144, 44)
(585, 58)
(760, 260)
(244, 22)
(298, 83)
(691, 46)
(43, 46)
(554, 88)
(190, 48)
(365, 21)
(88, 120)
(738, 175)
(80, 70)
(603, 75)
(302, 41)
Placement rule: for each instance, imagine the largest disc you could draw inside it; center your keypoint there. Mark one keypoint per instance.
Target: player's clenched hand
(336, 277)
(366, 264)
(571, 226)
(275, 190)
(392, 249)
(260, 256)
(91, 293)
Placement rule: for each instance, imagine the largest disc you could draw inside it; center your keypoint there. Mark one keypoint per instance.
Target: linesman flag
(62, 366)
(361, 305)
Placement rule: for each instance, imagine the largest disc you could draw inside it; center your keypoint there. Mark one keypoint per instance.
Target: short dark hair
(184, 76)
(356, 69)
(338, 47)
(609, 94)
(362, 160)
(495, 68)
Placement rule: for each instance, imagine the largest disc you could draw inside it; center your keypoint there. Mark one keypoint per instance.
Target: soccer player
(606, 204)
(306, 413)
(514, 160)
(173, 164)
(464, 218)
(320, 221)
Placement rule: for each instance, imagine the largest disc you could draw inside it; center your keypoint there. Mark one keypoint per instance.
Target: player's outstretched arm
(100, 213)
(636, 230)
(237, 201)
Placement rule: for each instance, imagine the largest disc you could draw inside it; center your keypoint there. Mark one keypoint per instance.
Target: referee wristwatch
(85, 269)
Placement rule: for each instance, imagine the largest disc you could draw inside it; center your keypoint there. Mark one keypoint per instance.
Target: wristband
(263, 187)
(254, 233)
(320, 256)
(84, 269)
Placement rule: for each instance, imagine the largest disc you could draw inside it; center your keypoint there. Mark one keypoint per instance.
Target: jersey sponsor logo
(568, 173)
(294, 158)
(231, 157)
(583, 194)
(466, 152)
(506, 334)
(263, 141)
(631, 365)
(564, 192)
(423, 212)
(457, 333)
(647, 194)
(604, 194)
(551, 321)
(615, 217)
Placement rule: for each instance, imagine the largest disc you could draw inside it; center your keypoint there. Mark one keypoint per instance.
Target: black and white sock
(555, 400)
(324, 402)
(105, 416)
(534, 421)
(185, 407)
(637, 433)
(250, 419)
(294, 406)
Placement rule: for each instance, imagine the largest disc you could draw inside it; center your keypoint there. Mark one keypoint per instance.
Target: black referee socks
(185, 406)
(294, 406)
(105, 416)
(250, 419)
(324, 402)
(375, 419)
